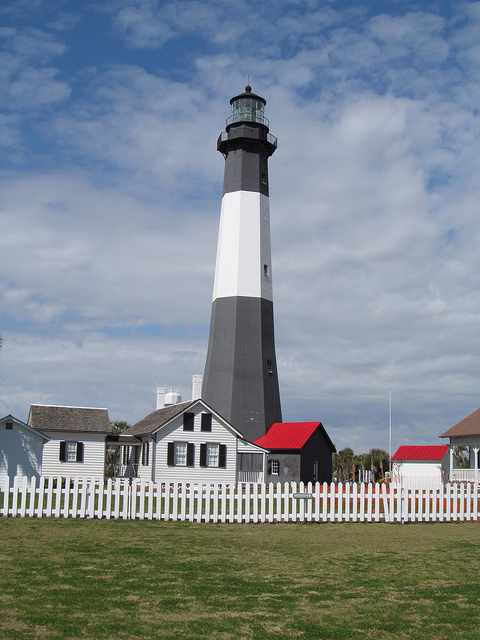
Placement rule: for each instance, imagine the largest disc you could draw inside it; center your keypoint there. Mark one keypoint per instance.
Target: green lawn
(104, 579)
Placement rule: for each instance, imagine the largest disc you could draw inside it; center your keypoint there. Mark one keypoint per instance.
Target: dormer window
(9, 425)
(188, 420)
(206, 424)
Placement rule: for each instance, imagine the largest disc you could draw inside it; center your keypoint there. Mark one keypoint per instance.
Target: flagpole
(390, 431)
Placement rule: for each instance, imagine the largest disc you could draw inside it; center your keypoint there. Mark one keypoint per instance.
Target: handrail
(247, 115)
(270, 138)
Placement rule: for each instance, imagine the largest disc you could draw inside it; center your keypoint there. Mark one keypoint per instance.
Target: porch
(122, 455)
(251, 467)
(464, 463)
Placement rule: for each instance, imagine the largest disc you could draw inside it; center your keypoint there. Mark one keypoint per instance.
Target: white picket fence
(236, 503)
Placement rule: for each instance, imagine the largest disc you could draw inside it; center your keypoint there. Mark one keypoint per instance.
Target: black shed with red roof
(298, 452)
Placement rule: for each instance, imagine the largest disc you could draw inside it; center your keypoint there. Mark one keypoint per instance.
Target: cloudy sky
(110, 188)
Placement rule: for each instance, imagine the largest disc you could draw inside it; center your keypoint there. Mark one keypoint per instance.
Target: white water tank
(172, 397)
(160, 402)
(197, 381)
(166, 396)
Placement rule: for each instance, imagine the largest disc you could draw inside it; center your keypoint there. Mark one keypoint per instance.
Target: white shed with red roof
(421, 465)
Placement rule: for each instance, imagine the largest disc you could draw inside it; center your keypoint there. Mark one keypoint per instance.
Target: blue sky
(110, 189)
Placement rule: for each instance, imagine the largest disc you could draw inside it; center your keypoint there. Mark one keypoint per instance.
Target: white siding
(419, 473)
(20, 451)
(93, 464)
(174, 432)
(145, 471)
(243, 247)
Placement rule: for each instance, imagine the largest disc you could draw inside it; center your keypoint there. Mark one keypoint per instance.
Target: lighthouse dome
(248, 107)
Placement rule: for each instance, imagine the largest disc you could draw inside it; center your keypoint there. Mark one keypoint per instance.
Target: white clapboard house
(76, 437)
(191, 442)
(20, 448)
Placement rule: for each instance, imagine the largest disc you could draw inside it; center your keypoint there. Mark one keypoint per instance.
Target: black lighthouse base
(241, 380)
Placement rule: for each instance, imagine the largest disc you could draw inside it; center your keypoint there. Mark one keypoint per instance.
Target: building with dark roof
(464, 439)
(192, 442)
(77, 437)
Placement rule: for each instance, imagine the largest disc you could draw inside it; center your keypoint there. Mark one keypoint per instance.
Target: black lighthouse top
(247, 126)
(248, 107)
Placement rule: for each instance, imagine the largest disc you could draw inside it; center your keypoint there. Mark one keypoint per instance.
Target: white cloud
(374, 197)
(27, 79)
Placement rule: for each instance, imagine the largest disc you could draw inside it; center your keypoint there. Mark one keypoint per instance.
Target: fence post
(386, 515)
(33, 495)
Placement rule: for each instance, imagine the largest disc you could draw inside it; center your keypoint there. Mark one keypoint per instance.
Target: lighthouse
(240, 379)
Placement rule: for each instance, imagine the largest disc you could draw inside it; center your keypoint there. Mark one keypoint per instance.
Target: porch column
(475, 463)
(451, 463)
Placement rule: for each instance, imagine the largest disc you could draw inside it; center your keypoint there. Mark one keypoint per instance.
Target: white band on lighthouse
(243, 266)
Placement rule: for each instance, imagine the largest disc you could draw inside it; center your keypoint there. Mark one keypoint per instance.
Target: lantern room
(248, 107)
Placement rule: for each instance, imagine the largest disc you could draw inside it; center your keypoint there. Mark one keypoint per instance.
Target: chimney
(197, 381)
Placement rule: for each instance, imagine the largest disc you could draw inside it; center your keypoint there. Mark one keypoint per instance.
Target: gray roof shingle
(157, 418)
(78, 419)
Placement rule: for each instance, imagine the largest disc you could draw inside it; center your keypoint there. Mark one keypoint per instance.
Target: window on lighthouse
(266, 271)
(269, 367)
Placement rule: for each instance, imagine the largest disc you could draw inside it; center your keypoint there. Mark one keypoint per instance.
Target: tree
(119, 426)
(343, 465)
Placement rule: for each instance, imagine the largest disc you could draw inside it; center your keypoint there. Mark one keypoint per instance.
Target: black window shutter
(203, 455)
(222, 456)
(190, 454)
(147, 453)
(63, 451)
(269, 467)
(171, 454)
(188, 420)
(206, 422)
(79, 451)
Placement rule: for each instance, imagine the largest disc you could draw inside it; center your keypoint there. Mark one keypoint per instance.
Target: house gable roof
(23, 424)
(419, 453)
(157, 419)
(469, 426)
(75, 419)
(161, 417)
(291, 435)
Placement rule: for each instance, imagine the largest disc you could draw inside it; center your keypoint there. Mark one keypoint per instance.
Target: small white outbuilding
(420, 465)
(20, 448)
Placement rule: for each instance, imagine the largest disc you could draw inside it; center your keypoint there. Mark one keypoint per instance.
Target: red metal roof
(287, 435)
(428, 452)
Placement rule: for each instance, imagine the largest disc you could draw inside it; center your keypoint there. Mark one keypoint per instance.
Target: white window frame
(275, 467)
(176, 446)
(71, 448)
(208, 458)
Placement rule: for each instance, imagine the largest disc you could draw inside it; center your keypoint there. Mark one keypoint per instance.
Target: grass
(131, 580)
